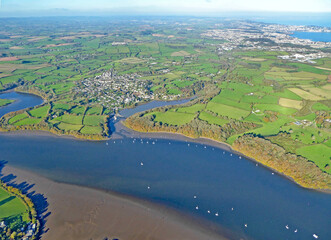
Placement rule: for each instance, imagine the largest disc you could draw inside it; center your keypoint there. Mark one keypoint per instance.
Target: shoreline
(79, 212)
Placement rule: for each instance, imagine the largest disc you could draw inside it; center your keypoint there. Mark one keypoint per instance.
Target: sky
(168, 6)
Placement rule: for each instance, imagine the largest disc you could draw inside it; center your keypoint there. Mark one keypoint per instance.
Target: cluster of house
(305, 57)
(29, 230)
(111, 90)
(244, 35)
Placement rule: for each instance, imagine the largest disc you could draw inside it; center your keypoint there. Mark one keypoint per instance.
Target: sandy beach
(85, 213)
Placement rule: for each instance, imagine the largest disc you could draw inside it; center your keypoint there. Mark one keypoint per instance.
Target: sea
(305, 19)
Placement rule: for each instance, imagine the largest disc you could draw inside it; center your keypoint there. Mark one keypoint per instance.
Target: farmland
(289, 109)
(242, 90)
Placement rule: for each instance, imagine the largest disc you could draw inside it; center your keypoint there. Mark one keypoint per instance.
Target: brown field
(2, 75)
(67, 38)
(58, 45)
(305, 95)
(16, 36)
(325, 93)
(254, 59)
(285, 102)
(132, 60)
(180, 54)
(157, 35)
(328, 69)
(327, 87)
(12, 67)
(8, 59)
(34, 39)
(98, 35)
(16, 48)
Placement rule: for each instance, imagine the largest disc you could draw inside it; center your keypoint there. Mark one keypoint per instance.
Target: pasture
(227, 111)
(172, 118)
(320, 154)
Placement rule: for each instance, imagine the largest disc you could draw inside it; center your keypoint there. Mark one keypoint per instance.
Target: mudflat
(83, 213)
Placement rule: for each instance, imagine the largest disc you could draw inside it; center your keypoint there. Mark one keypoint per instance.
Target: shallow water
(173, 172)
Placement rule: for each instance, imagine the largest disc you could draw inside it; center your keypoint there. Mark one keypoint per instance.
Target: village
(114, 91)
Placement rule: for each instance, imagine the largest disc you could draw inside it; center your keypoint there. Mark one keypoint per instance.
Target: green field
(191, 109)
(91, 130)
(69, 127)
(94, 110)
(319, 154)
(71, 119)
(172, 118)
(17, 118)
(27, 121)
(4, 102)
(212, 119)
(40, 112)
(94, 120)
(12, 209)
(228, 111)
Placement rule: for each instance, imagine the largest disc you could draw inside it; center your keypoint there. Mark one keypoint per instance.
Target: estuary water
(22, 101)
(199, 180)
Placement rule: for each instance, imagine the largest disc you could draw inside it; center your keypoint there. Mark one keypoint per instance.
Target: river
(200, 180)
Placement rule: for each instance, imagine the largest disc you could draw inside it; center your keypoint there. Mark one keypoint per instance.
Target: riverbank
(84, 213)
(212, 142)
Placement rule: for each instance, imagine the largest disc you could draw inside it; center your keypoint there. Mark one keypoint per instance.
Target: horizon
(17, 8)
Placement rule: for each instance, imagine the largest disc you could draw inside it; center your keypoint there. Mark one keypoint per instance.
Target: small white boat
(196, 207)
(107, 143)
(208, 211)
(205, 147)
(232, 209)
(194, 196)
(239, 157)
(188, 144)
(148, 187)
(153, 142)
(273, 173)
(246, 225)
(216, 214)
(296, 230)
(315, 236)
(141, 164)
(231, 154)
(287, 227)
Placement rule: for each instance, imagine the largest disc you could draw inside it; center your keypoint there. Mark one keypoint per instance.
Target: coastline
(78, 212)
